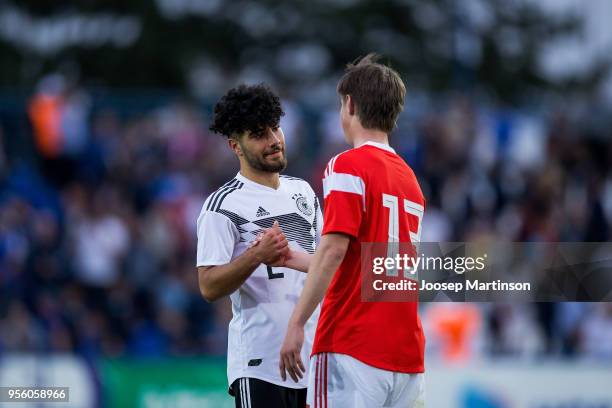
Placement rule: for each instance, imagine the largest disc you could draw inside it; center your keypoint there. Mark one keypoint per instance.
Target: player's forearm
(219, 281)
(324, 264)
(300, 261)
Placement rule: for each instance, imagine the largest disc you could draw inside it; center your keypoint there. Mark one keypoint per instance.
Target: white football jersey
(230, 219)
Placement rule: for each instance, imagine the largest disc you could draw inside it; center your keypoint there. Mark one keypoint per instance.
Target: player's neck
(264, 178)
(362, 136)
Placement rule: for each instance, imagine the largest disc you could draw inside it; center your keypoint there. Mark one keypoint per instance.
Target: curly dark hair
(252, 108)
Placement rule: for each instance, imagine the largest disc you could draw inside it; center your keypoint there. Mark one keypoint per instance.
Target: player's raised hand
(283, 243)
(290, 354)
(256, 241)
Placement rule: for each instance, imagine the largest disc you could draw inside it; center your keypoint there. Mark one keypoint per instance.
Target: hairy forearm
(324, 264)
(218, 281)
(300, 261)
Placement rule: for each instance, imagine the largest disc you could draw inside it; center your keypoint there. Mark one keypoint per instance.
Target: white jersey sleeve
(217, 238)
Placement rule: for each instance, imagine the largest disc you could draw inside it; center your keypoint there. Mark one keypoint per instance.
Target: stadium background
(105, 160)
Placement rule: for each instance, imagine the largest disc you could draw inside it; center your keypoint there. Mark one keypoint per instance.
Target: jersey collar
(379, 145)
(253, 184)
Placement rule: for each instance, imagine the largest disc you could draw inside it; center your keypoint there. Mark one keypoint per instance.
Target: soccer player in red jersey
(366, 354)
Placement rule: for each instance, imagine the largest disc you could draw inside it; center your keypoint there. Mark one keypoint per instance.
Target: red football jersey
(366, 189)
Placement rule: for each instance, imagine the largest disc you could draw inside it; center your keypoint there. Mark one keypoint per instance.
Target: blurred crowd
(97, 224)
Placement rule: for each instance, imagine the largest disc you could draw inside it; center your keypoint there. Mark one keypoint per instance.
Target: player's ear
(350, 106)
(235, 146)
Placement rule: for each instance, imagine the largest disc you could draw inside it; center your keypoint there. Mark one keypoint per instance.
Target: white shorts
(338, 381)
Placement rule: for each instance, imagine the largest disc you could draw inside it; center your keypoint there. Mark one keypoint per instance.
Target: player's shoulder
(296, 183)
(362, 161)
(222, 196)
(348, 161)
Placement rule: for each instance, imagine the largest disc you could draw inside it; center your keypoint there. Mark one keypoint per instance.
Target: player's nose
(274, 137)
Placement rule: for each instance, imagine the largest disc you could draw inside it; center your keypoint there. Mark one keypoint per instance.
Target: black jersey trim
(219, 191)
(224, 195)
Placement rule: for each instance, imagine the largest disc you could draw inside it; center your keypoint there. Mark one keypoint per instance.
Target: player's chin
(273, 166)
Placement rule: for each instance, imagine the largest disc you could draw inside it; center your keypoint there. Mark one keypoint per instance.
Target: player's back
(372, 195)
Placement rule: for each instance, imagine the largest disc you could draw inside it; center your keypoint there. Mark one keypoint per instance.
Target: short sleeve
(344, 197)
(217, 236)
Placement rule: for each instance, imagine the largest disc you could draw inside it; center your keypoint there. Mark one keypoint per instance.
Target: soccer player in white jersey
(260, 278)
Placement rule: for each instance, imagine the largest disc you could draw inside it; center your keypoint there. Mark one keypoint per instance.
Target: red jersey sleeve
(344, 197)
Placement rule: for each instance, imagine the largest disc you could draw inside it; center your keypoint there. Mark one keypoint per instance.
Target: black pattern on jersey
(294, 226)
(235, 218)
(239, 222)
(216, 199)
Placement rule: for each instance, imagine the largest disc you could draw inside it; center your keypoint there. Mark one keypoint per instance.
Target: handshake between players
(271, 246)
(273, 249)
